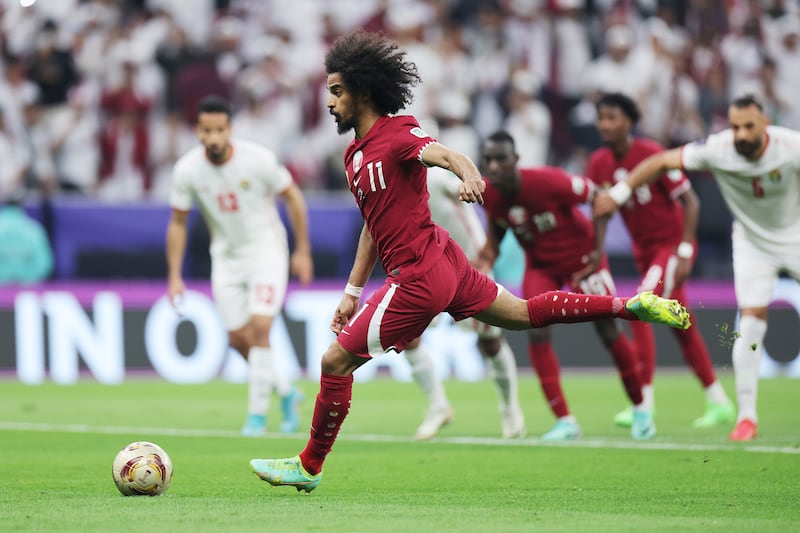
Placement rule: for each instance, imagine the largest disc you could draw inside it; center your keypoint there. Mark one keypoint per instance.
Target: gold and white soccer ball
(142, 469)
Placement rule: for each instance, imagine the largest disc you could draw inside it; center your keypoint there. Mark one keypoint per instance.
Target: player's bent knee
(339, 362)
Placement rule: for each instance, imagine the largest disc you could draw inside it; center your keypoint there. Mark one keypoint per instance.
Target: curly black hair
(746, 101)
(372, 66)
(622, 102)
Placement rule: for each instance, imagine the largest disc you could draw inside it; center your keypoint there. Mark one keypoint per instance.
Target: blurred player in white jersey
(757, 168)
(464, 225)
(235, 183)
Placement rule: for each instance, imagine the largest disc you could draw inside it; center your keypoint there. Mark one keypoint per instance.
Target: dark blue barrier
(99, 240)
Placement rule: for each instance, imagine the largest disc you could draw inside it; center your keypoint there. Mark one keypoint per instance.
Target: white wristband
(352, 290)
(685, 250)
(620, 192)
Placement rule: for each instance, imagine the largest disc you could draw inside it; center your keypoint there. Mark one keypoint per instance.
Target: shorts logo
(358, 159)
(418, 132)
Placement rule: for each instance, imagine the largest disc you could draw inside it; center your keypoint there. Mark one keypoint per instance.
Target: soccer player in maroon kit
(661, 218)
(369, 80)
(540, 207)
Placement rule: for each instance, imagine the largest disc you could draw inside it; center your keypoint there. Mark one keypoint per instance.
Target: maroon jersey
(653, 215)
(386, 175)
(545, 218)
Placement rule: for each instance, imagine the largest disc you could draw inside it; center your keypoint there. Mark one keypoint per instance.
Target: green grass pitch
(57, 444)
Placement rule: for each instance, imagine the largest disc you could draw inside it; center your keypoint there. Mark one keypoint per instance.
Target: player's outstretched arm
(301, 264)
(176, 248)
(472, 186)
(648, 171)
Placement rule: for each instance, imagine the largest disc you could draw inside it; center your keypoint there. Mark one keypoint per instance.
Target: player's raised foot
(745, 430)
(512, 422)
(285, 472)
(643, 427)
(564, 430)
(649, 307)
(436, 419)
(289, 409)
(254, 426)
(717, 414)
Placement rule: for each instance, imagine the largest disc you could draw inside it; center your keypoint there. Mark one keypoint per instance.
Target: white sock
(716, 394)
(648, 397)
(746, 362)
(259, 362)
(425, 376)
(503, 369)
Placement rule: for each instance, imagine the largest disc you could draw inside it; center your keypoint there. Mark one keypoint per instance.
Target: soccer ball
(142, 469)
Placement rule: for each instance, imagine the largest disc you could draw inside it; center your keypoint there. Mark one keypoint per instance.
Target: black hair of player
(213, 104)
(622, 102)
(372, 66)
(501, 137)
(747, 100)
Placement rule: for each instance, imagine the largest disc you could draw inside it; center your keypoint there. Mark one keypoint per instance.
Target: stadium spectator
(540, 207)
(757, 168)
(369, 81)
(235, 183)
(528, 120)
(661, 219)
(12, 171)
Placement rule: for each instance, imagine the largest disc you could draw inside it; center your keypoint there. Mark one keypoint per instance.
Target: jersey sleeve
(409, 140)
(181, 194)
(699, 155)
(675, 182)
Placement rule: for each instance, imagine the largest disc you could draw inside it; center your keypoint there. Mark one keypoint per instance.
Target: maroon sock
(545, 363)
(695, 352)
(560, 307)
(645, 343)
(625, 359)
(330, 410)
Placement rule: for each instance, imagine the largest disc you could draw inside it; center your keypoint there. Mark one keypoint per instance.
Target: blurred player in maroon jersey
(661, 218)
(369, 80)
(540, 207)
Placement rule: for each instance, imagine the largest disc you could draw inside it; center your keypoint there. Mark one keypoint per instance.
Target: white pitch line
(481, 441)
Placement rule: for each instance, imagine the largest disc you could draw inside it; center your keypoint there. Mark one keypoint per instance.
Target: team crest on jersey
(244, 185)
(517, 215)
(418, 132)
(775, 175)
(578, 185)
(358, 159)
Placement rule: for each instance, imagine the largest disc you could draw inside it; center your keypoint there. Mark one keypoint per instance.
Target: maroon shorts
(400, 312)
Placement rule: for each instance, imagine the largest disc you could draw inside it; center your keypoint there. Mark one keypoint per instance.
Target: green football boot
(288, 472)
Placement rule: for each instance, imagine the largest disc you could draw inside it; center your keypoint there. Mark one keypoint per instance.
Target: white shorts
(246, 288)
(755, 271)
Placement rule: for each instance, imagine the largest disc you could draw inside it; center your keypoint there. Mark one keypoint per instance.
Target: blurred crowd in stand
(97, 96)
